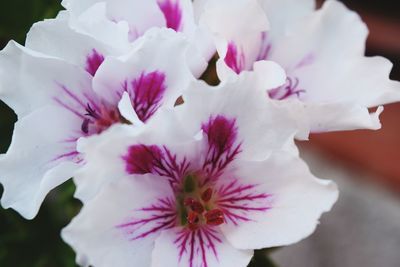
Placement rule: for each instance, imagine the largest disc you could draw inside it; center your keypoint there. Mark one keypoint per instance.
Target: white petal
(29, 80)
(103, 233)
(262, 125)
(109, 148)
(167, 251)
(16, 91)
(251, 15)
(112, 22)
(99, 152)
(362, 81)
(284, 14)
(201, 42)
(56, 38)
(151, 55)
(326, 54)
(244, 35)
(127, 111)
(198, 7)
(335, 116)
(94, 22)
(331, 32)
(44, 137)
(269, 74)
(296, 201)
(32, 165)
(139, 15)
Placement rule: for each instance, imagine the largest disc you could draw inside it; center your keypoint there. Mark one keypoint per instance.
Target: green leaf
(261, 259)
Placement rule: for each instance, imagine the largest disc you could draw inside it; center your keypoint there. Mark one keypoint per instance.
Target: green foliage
(261, 259)
(37, 243)
(17, 16)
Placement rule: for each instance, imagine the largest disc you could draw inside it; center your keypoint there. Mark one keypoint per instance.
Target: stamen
(215, 217)
(101, 118)
(288, 90)
(193, 220)
(91, 112)
(207, 195)
(195, 205)
(85, 126)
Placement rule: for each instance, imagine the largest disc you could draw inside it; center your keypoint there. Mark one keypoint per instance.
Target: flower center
(196, 204)
(99, 119)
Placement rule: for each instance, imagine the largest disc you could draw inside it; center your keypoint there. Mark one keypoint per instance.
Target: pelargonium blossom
(58, 102)
(136, 17)
(330, 84)
(55, 37)
(177, 198)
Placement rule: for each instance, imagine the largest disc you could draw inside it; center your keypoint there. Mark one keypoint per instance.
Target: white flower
(58, 102)
(200, 185)
(330, 84)
(132, 18)
(55, 37)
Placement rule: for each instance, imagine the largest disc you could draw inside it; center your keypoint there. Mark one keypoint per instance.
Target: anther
(215, 217)
(194, 205)
(85, 126)
(206, 196)
(193, 220)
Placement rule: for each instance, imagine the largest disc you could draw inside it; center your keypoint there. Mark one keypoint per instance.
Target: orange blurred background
(377, 152)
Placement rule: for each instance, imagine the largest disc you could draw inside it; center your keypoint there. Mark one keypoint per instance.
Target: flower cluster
(172, 171)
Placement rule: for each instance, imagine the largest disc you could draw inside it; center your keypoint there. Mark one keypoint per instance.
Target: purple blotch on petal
(93, 61)
(234, 58)
(141, 159)
(221, 133)
(172, 13)
(223, 146)
(147, 92)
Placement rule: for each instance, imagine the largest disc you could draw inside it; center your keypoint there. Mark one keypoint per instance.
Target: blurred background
(362, 230)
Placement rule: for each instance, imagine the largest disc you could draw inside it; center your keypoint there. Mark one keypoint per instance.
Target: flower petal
(197, 249)
(326, 54)
(38, 160)
(201, 44)
(244, 101)
(296, 200)
(47, 129)
(89, 180)
(238, 45)
(95, 22)
(139, 15)
(119, 226)
(111, 24)
(146, 73)
(326, 117)
(111, 148)
(127, 111)
(56, 38)
(283, 15)
(30, 80)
